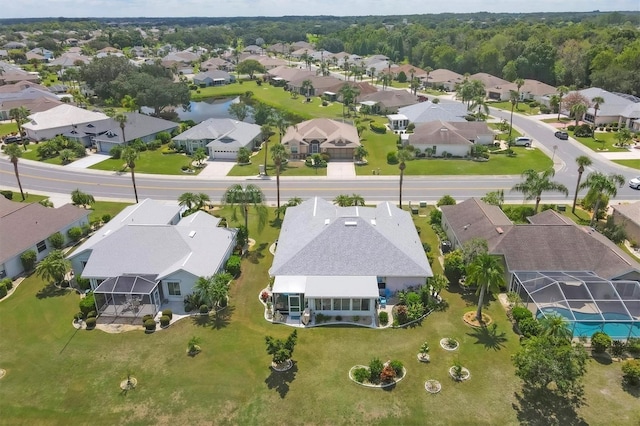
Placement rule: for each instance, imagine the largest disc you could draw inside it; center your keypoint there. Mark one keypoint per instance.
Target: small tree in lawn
(193, 346)
(281, 350)
(488, 274)
(80, 198)
(53, 267)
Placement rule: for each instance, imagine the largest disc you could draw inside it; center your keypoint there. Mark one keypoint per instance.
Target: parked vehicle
(523, 141)
(561, 134)
(635, 183)
(12, 139)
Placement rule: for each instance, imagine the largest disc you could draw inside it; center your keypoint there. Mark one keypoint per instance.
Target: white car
(635, 183)
(523, 141)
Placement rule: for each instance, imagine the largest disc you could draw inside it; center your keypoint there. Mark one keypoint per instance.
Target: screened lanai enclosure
(588, 302)
(128, 296)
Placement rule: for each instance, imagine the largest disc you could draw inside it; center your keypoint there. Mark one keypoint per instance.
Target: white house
(59, 121)
(221, 137)
(339, 260)
(26, 227)
(617, 108)
(213, 78)
(149, 256)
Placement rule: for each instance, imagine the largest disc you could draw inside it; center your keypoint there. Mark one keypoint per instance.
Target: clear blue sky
(219, 8)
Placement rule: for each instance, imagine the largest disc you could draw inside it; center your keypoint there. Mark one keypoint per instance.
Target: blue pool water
(586, 323)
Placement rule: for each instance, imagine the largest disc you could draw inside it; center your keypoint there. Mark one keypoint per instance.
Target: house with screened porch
(339, 261)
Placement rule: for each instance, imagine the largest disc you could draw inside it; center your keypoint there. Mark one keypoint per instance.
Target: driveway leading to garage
(339, 169)
(88, 161)
(218, 168)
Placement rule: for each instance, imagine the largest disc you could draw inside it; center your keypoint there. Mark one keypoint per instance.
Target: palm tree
(20, 115)
(562, 90)
(554, 102)
(307, 87)
(428, 71)
(188, 200)
(14, 154)
(513, 98)
(357, 200)
(582, 161)
(214, 289)
(404, 155)
(487, 273)
(602, 184)
(280, 122)
(597, 102)
(519, 83)
(278, 154)
(482, 105)
(536, 183)
(578, 111)
(130, 155)
(344, 200)
(54, 267)
(129, 103)
(349, 95)
(202, 200)
(437, 282)
(556, 326)
(295, 201)
(239, 196)
(360, 152)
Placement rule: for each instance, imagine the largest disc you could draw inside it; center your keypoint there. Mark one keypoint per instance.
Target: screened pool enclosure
(589, 303)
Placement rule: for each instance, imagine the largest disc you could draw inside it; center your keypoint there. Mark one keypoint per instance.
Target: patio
(130, 296)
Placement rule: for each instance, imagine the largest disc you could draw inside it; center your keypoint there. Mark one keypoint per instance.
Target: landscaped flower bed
(432, 386)
(449, 344)
(378, 374)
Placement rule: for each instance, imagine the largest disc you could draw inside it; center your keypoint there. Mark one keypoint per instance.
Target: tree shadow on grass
(280, 380)
(276, 223)
(548, 408)
(601, 358)
(466, 294)
(489, 337)
(217, 320)
(631, 390)
(255, 255)
(51, 290)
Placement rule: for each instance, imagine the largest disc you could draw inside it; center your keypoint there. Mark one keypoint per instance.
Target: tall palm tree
(428, 71)
(482, 105)
(280, 122)
(488, 274)
(513, 98)
(556, 326)
(130, 155)
(582, 161)
(602, 184)
(519, 83)
(578, 111)
(121, 118)
(242, 196)
(536, 183)
(404, 155)
(278, 154)
(307, 88)
(597, 102)
(562, 90)
(14, 154)
(20, 115)
(54, 267)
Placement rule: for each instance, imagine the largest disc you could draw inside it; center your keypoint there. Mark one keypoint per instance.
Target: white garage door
(225, 155)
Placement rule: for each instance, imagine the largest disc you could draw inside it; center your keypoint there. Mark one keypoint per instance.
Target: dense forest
(571, 49)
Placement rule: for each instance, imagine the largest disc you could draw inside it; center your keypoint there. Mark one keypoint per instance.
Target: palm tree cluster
(193, 202)
(238, 196)
(536, 183)
(214, 290)
(344, 200)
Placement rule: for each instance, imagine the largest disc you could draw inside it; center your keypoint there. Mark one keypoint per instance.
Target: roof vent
(327, 221)
(350, 223)
(373, 222)
(499, 230)
(192, 234)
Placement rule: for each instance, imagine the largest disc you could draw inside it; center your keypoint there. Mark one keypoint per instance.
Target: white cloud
(170, 8)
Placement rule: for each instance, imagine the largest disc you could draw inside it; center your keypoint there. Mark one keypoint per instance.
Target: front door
(294, 304)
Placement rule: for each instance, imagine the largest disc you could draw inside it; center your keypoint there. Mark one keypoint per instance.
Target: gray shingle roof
(138, 126)
(222, 132)
(423, 112)
(319, 238)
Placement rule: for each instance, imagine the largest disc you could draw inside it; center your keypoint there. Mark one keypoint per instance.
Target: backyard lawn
(7, 128)
(154, 162)
(78, 372)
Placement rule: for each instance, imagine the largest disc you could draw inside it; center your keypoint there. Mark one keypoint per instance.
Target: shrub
(600, 341)
(520, 312)
(338, 317)
(78, 316)
(8, 283)
(116, 152)
(631, 372)
(618, 348)
(164, 320)
(633, 346)
(375, 369)
(571, 127)
(233, 265)
(7, 194)
(164, 137)
(106, 218)
(435, 216)
(397, 366)
(28, 259)
(92, 314)
(446, 200)
(392, 157)
(264, 296)
(387, 374)
(150, 325)
(3, 290)
(75, 233)
(147, 317)
(90, 323)
(378, 128)
(402, 314)
(583, 130)
(204, 309)
(384, 318)
(87, 304)
(360, 374)
(167, 313)
(529, 327)
(56, 240)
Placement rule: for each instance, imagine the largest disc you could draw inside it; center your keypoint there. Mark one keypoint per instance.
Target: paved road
(44, 178)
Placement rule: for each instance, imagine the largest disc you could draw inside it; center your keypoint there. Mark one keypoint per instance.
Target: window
(341, 304)
(42, 246)
(323, 304)
(360, 304)
(294, 149)
(174, 288)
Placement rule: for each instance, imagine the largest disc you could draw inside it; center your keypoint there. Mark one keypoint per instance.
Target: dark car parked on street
(561, 134)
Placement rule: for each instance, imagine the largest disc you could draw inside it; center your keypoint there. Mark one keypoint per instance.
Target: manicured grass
(604, 140)
(634, 164)
(229, 382)
(563, 120)
(32, 154)
(504, 136)
(154, 162)
(29, 198)
(100, 208)
(521, 108)
(7, 128)
(292, 168)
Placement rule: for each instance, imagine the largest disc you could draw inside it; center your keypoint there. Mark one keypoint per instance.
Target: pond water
(205, 109)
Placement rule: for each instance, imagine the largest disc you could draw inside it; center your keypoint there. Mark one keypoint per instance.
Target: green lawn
(603, 140)
(634, 164)
(7, 128)
(29, 198)
(32, 154)
(154, 162)
(504, 136)
(100, 208)
(521, 108)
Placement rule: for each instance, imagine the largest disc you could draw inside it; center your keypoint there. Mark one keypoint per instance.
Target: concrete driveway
(89, 160)
(341, 169)
(217, 168)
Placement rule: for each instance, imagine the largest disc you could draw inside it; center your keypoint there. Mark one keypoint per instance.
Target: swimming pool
(616, 325)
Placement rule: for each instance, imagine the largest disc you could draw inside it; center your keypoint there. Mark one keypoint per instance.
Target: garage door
(105, 147)
(225, 155)
(340, 153)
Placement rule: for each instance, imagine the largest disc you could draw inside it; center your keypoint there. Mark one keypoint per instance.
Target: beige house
(443, 78)
(628, 216)
(531, 89)
(322, 135)
(444, 138)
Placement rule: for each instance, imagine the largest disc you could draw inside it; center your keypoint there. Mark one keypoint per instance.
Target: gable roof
(549, 217)
(391, 98)
(437, 133)
(487, 79)
(60, 116)
(428, 111)
(328, 132)
(614, 103)
(442, 75)
(222, 132)
(319, 238)
(23, 225)
(138, 126)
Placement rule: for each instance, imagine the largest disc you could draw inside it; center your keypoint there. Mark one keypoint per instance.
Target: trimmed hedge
(147, 317)
(378, 128)
(233, 265)
(28, 259)
(164, 321)
(87, 304)
(150, 325)
(8, 283)
(600, 342)
(384, 318)
(167, 313)
(90, 323)
(204, 309)
(3, 290)
(519, 313)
